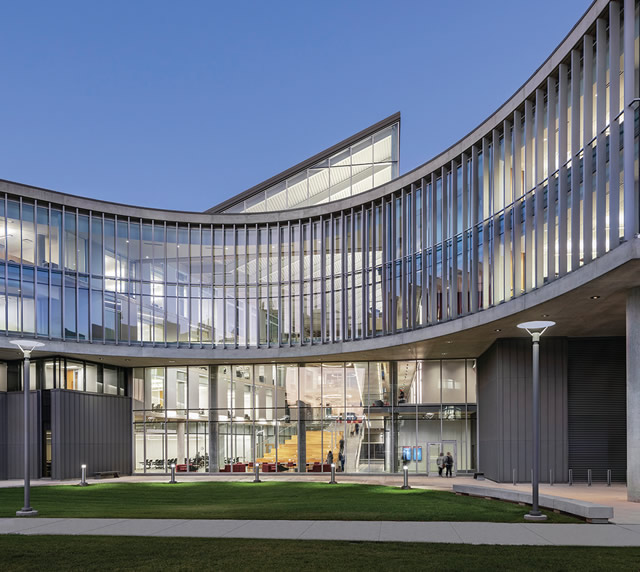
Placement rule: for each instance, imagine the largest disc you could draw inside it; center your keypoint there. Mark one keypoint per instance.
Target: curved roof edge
(219, 208)
(559, 54)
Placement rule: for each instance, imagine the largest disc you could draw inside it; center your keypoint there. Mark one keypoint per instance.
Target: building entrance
(433, 451)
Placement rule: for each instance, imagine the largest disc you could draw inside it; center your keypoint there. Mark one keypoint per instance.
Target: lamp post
(26, 347)
(536, 329)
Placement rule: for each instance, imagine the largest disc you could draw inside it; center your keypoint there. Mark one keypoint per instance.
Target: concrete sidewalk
(539, 534)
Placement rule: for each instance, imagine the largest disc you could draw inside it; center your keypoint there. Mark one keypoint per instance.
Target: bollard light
(550, 477)
(405, 486)
(83, 479)
(256, 472)
(514, 478)
(173, 474)
(608, 477)
(570, 477)
(589, 477)
(333, 475)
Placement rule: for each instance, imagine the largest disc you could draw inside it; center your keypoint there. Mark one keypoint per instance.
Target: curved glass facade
(538, 195)
(547, 185)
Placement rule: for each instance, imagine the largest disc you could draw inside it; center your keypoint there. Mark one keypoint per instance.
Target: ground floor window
(369, 417)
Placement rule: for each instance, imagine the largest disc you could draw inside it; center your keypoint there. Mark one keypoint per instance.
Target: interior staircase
(318, 446)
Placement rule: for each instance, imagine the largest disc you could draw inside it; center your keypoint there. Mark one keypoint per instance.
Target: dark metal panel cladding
(3, 435)
(597, 408)
(504, 409)
(90, 429)
(15, 435)
(488, 429)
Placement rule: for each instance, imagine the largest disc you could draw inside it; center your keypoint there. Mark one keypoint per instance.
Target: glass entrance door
(433, 451)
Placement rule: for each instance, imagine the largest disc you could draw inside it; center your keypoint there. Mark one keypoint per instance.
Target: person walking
(440, 463)
(448, 462)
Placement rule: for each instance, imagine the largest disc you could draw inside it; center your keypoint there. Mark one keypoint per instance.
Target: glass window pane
(74, 378)
(154, 388)
(91, 378)
(110, 377)
(453, 381)
(429, 374)
(471, 381)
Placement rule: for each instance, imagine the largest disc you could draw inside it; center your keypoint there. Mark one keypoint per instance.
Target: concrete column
(391, 424)
(433, 285)
(474, 231)
(553, 182)
(563, 183)
(601, 139)
(614, 137)
(214, 466)
(575, 160)
(465, 225)
(633, 395)
(630, 92)
(454, 240)
(181, 449)
(302, 437)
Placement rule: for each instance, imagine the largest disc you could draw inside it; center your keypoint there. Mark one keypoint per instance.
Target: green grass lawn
(52, 553)
(269, 500)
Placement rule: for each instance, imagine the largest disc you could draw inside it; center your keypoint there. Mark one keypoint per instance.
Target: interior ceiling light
(595, 297)
(497, 330)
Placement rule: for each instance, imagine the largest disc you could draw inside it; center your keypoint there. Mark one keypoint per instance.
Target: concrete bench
(106, 475)
(591, 512)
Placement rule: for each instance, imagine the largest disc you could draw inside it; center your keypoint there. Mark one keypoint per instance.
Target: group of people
(341, 456)
(445, 463)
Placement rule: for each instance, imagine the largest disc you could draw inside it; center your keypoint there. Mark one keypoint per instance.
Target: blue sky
(181, 105)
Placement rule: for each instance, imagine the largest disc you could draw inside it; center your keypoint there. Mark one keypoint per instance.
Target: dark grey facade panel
(3, 435)
(90, 429)
(14, 435)
(597, 408)
(489, 426)
(504, 410)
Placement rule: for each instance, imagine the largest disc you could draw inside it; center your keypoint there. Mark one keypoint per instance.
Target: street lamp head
(26, 346)
(536, 329)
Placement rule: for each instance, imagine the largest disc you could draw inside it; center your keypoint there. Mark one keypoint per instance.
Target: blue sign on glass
(417, 453)
(406, 453)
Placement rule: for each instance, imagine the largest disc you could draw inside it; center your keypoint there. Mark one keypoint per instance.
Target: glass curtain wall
(535, 197)
(369, 163)
(64, 373)
(303, 417)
